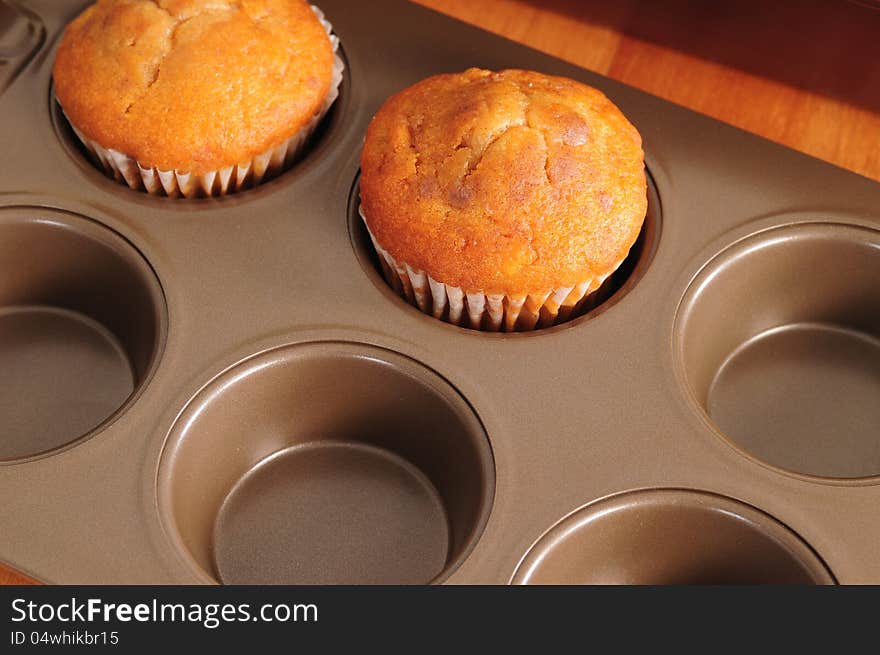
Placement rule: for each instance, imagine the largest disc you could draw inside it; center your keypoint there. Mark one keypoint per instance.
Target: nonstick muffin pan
(203, 391)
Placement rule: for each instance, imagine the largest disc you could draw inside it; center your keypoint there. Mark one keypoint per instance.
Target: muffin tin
(225, 390)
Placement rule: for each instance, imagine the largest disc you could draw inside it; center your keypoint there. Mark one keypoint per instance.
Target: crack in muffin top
(507, 182)
(193, 85)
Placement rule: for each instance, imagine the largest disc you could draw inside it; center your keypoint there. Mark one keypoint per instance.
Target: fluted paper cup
(492, 312)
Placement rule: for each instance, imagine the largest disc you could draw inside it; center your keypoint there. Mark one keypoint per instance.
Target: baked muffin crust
(506, 182)
(193, 85)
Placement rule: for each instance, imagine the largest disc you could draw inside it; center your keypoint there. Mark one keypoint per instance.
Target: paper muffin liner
(493, 312)
(261, 168)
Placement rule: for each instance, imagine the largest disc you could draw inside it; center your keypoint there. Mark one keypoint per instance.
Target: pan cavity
(670, 537)
(326, 463)
(82, 321)
(779, 341)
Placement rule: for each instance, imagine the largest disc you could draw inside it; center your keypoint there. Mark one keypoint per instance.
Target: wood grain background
(802, 73)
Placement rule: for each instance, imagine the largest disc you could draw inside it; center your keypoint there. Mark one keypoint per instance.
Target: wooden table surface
(802, 73)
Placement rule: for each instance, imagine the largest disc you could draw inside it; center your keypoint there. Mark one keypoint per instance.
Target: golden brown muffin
(508, 182)
(193, 85)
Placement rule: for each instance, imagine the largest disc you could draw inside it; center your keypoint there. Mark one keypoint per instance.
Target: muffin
(196, 97)
(501, 200)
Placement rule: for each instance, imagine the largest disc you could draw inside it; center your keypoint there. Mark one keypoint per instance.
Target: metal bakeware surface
(681, 403)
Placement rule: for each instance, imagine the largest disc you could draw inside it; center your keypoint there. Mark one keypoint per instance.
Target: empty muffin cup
(778, 338)
(82, 320)
(326, 463)
(670, 536)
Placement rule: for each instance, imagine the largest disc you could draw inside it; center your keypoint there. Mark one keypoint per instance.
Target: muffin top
(193, 85)
(503, 182)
